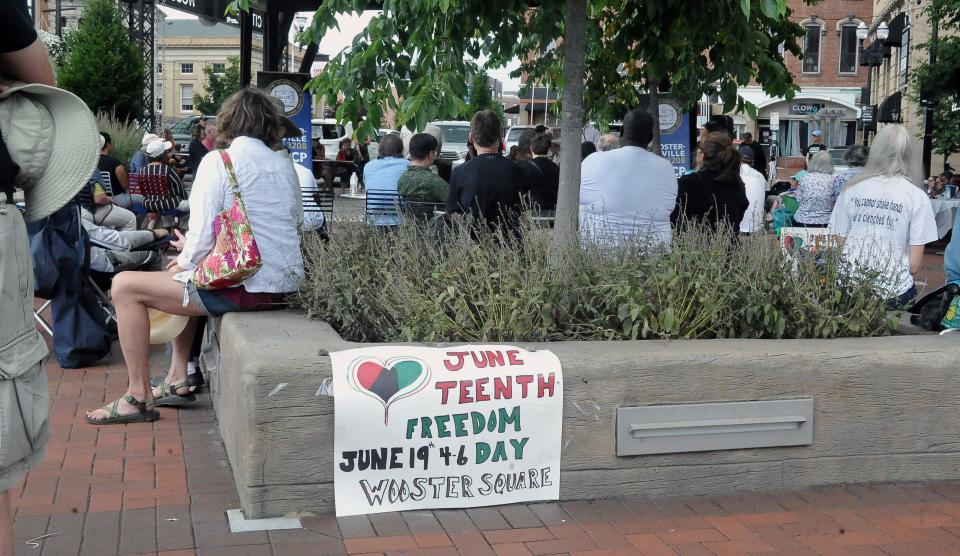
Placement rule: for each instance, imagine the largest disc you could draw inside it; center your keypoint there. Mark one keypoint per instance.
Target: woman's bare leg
(133, 293)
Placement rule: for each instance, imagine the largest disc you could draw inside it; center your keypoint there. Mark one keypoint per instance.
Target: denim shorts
(216, 303)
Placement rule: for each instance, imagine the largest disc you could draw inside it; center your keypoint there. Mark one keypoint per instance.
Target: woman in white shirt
(885, 218)
(250, 123)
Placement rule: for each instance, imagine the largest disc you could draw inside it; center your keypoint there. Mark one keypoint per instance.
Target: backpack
(938, 309)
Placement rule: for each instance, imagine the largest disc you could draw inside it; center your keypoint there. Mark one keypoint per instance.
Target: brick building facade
(891, 89)
(829, 75)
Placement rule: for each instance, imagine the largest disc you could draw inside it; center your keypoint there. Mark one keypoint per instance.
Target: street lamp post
(870, 57)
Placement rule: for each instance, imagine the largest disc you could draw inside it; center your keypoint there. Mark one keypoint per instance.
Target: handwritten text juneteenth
(501, 420)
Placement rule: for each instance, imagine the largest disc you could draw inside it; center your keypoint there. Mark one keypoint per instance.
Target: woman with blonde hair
(815, 193)
(250, 124)
(885, 218)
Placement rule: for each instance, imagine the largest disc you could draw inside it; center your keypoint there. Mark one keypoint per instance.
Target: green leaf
(745, 7)
(770, 8)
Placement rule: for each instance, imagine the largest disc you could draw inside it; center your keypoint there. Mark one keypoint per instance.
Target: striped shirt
(164, 203)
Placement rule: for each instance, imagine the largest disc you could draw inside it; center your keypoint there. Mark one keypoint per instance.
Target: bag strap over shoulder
(228, 164)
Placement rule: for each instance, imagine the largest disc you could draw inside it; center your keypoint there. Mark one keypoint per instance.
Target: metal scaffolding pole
(141, 17)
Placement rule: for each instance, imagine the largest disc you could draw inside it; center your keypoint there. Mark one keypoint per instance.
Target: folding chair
(153, 186)
(383, 208)
(422, 211)
(319, 201)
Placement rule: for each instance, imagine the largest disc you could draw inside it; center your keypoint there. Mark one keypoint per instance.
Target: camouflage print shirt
(420, 184)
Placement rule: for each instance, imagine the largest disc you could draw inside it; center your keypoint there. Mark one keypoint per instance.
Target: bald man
(608, 142)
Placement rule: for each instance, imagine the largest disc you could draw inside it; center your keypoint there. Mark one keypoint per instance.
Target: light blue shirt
(381, 175)
(951, 257)
(139, 161)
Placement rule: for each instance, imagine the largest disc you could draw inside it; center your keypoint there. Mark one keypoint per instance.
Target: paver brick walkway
(163, 488)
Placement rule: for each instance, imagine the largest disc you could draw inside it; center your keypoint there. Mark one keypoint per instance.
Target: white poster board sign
(457, 427)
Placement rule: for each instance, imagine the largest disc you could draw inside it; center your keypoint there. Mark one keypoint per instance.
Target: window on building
(219, 68)
(159, 67)
(904, 57)
(811, 49)
(186, 68)
(159, 103)
(186, 98)
(848, 49)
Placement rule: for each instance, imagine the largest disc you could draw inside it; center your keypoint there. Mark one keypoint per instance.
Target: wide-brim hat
(290, 129)
(52, 136)
(164, 327)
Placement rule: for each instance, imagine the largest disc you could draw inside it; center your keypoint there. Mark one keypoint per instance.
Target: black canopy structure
(271, 18)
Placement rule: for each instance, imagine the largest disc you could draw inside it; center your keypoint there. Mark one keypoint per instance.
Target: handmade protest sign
(456, 427)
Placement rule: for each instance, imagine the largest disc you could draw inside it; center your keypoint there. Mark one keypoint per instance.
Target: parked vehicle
(839, 166)
(513, 134)
(455, 137)
(330, 133)
(181, 132)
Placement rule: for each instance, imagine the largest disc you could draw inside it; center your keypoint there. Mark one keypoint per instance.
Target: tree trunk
(565, 236)
(654, 92)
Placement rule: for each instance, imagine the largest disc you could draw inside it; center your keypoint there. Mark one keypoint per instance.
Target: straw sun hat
(164, 327)
(52, 136)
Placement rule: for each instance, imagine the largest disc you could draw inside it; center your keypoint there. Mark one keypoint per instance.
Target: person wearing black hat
(755, 186)
(759, 154)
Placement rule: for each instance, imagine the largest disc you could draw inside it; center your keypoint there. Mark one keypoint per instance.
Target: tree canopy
(219, 86)
(424, 50)
(943, 78)
(103, 66)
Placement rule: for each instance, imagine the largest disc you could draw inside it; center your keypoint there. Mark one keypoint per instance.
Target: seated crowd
(876, 210)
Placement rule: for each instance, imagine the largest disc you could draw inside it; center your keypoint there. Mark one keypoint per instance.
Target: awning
(536, 107)
(889, 111)
(897, 25)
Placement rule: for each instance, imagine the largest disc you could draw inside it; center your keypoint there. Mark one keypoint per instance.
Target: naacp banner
(456, 427)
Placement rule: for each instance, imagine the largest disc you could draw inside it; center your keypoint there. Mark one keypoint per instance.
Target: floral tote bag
(235, 255)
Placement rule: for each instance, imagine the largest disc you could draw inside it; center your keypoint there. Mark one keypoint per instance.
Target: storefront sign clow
(805, 108)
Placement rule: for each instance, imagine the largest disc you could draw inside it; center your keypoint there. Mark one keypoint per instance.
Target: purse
(235, 255)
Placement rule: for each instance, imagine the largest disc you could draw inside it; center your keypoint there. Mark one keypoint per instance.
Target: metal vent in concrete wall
(665, 429)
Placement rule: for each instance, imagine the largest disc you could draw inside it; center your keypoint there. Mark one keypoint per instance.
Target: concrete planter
(885, 409)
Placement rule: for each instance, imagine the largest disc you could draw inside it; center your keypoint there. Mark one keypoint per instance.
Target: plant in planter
(480, 286)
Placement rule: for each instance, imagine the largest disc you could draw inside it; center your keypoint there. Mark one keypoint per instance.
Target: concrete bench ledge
(885, 409)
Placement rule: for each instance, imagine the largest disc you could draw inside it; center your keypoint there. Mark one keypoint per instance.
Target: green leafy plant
(219, 86)
(125, 136)
(103, 66)
(479, 286)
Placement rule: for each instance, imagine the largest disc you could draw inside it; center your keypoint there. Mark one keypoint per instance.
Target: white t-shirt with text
(880, 218)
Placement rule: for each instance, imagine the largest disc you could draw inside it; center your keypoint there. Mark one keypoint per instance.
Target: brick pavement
(163, 488)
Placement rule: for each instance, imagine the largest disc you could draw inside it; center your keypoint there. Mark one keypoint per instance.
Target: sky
(350, 25)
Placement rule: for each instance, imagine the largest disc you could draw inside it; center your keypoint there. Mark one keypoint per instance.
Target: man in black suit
(489, 185)
(543, 175)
